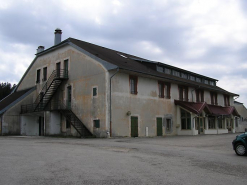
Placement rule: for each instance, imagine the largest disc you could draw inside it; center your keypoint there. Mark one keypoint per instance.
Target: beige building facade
(81, 89)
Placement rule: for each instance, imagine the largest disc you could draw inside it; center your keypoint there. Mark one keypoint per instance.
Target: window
(211, 83)
(211, 123)
(164, 90)
(96, 123)
(183, 93)
(67, 123)
(185, 120)
(184, 75)
(160, 69)
(44, 73)
(227, 100)
(192, 78)
(66, 68)
(38, 76)
(198, 80)
(95, 91)
(199, 95)
(221, 124)
(168, 125)
(133, 84)
(167, 71)
(213, 98)
(206, 81)
(176, 73)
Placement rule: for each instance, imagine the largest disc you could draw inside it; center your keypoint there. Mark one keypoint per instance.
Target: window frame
(38, 73)
(226, 100)
(199, 95)
(187, 119)
(183, 93)
(134, 80)
(96, 123)
(44, 74)
(214, 98)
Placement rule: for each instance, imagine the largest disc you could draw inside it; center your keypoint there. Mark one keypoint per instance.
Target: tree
(5, 89)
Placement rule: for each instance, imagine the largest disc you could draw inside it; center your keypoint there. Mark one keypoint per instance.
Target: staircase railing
(56, 74)
(70, 116)
(39, 104)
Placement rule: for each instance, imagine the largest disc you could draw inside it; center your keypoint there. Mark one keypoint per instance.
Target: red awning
(219, 110)
(198, 107)
(195, 107)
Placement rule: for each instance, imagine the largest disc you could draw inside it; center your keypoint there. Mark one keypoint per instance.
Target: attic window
(122, 55)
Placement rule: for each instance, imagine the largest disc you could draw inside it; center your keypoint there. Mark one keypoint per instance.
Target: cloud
(204, 36)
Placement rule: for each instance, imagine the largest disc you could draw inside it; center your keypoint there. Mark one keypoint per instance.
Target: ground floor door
(41, 126)
(159, 126)
(134, 126)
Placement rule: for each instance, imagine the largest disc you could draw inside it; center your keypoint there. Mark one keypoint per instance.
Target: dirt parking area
(204, 159)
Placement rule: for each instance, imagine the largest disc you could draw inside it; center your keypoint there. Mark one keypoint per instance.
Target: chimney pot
(40, 49)
(58, 36)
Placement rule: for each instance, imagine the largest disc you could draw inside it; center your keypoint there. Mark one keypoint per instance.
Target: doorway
(69, 97)
(58, 68)
(41, 126)
(134, 126)
(159, 126)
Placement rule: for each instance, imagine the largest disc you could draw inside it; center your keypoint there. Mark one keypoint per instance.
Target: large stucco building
(81, 89)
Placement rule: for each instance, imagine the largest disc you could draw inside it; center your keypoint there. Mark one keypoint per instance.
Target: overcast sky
(208, 37)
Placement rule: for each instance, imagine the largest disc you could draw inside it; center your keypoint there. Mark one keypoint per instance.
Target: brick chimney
(58, 36)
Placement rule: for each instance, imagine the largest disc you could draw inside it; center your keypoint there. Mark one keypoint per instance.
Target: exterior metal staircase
(43, 103)
(70, 117)
(47, 92)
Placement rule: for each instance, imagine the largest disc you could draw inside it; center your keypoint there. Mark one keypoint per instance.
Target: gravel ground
(204, 159)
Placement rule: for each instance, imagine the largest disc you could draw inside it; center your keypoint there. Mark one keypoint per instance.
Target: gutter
(110, 102)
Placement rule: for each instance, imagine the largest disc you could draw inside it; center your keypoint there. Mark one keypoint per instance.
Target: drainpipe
(110, 101)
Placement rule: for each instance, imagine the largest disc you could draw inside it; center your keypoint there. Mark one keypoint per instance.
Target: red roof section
(215, 110)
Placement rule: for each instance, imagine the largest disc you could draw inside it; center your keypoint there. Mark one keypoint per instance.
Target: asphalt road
(206, 159)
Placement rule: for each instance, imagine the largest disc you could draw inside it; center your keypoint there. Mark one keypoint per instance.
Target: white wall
(30, 125)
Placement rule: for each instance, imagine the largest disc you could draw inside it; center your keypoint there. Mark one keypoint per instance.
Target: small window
(168, 125)
(184, 75)
(133, 84)
(211, 83)
(192, 78)
(206, 81)
(38, 76)
(67, 123)
(44, 73)
(176, 73)
(96, 123)
(167, 71)
(95, 91)
(198, 80)
(160, 69)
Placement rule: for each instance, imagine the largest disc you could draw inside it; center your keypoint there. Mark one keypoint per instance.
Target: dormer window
(192, 78)
(184, 75)
(167, 71)
(176, 73)
(198, 79)
(211, 83)
(160, 69)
